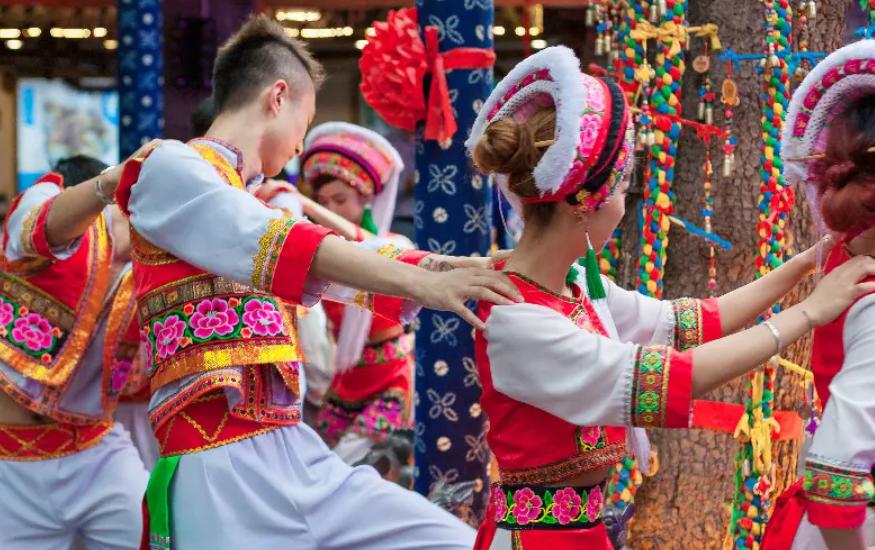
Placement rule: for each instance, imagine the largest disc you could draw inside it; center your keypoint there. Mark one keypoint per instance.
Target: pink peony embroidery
(594, 503)
(370, 356)
(168, 335)
(263, 318)
(389, 350)
(527, 507)
(590, 435)
(121, 370)
(7, 313)
(590, 125)
(566, 505)
(34, 331)
(213, 317)
(499, 502)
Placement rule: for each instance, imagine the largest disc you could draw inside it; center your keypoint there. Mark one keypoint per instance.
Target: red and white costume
(836, 486)
(215, 270)
(370, 394)
(78, 473)
(564, 376)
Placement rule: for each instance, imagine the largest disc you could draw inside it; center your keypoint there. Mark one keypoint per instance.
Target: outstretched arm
(179, 205)
(740, 307)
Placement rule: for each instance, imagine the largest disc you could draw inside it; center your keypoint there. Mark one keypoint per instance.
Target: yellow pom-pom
(663, 201)
(666, 79)
(647, 249)
(625, 496)
(648, 266)
(651, 286)
(753, 512)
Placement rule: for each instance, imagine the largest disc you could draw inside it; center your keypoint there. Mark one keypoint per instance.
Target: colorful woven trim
(205, 423)
(42, 338)
(518, 507)
(145, 253)
(837, 486)
(206, 323)
(582, 462)
(122, 368)
(696, 322)
(341, 166)
(49, 441)
(270, 244)
(661, 388)
(819, 89)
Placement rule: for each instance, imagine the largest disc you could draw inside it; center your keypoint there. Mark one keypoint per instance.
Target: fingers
(485, 294)
(865, 288)
(498, 282)
(468, 316)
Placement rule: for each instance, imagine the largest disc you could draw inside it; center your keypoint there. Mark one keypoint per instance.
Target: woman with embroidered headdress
(354, 174)
(829, 146)
(565, 373)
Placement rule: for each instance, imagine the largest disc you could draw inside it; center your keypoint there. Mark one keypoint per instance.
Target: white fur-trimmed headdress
(593, 142)
(845, 75)
(362, 158)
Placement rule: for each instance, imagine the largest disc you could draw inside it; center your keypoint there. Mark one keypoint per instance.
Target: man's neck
(237, 129)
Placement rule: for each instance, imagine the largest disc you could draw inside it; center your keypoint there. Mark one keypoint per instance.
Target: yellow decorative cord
(759, 433)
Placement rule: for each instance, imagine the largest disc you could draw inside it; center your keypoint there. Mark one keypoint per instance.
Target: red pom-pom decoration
(393, 66)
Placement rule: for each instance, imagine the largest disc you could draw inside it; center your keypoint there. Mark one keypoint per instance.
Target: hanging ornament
(702, 66)
(729, 98)
(707, 213)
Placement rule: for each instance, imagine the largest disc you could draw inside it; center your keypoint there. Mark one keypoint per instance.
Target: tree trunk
(686, 505)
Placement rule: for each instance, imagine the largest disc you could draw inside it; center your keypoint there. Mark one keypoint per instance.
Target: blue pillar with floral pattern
(452, 215)
(140, 73)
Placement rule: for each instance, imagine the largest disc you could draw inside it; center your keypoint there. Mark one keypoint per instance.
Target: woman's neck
(863, 244)
(543, 255)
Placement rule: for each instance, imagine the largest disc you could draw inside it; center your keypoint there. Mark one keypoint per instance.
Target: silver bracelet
(101, 195)
(776, 335)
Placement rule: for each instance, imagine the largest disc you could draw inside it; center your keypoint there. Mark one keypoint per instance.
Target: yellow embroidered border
(608, 455)
(27, 228)
(227, 355)
(145, 253)
(269, 247)
(221, 164)
(88, 308)
(78, 447)
(122, 312)
(650, 386)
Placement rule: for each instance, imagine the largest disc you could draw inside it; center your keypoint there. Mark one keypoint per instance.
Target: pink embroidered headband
(361, 158)
(594, 138)
(357, 156)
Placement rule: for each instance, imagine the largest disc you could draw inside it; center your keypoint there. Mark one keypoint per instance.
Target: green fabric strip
(158, 502)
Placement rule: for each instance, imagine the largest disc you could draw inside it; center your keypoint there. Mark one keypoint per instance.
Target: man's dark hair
(202, 117)
(79, 168)
(256, 56)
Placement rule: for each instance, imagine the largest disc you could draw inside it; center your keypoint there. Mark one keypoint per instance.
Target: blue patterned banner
(452, 215)
(140, 73)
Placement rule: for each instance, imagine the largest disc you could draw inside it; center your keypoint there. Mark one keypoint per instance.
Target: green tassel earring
(368, 223)
(594, 286)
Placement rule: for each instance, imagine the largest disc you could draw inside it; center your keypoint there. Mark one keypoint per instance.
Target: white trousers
(135, 418)
(286, 490)
(94, 495)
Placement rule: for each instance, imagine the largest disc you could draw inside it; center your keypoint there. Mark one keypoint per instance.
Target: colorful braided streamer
(658, 196)
(632, 53)
(754, 469)
(610, 256)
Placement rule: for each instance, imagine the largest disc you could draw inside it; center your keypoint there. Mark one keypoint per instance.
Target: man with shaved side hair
(216, 270)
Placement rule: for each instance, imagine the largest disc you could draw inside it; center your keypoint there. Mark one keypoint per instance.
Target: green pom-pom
(594, 286)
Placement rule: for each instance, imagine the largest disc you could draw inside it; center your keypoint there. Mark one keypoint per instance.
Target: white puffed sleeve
(541, 358)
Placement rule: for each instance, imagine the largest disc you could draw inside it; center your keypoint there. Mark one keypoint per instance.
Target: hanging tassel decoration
(368, 223)
(594, 286)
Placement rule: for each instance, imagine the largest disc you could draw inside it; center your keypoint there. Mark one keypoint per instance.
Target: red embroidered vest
(532, 446)
(193, 322)
(124, 374)
(49, 308)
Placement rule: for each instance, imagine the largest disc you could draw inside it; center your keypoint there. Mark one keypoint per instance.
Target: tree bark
(686, 505)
